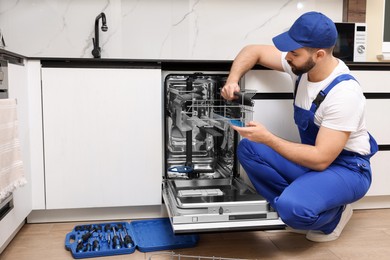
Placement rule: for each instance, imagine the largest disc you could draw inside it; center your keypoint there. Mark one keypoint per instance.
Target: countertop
(11, 56)
(181, 65)
(65, 62)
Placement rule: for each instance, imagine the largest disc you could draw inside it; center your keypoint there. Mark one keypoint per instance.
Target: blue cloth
(307, 199)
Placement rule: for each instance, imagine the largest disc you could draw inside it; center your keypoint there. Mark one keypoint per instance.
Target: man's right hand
(227, 92)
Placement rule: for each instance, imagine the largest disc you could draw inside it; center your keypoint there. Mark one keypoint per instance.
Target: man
(310, 184)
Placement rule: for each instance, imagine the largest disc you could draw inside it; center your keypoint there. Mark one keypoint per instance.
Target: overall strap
(322, 94)
(296, 85)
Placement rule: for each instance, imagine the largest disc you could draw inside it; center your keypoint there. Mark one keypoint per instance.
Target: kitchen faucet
(96, 48)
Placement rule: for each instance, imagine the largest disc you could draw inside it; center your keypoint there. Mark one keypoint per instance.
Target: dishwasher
(202, 187)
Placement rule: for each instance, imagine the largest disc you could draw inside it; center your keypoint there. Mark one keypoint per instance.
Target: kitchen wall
(374, 20)
(150, 29)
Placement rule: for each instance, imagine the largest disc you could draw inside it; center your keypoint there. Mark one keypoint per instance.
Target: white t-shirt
(343, 108)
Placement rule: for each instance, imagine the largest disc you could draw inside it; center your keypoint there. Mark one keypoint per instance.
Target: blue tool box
(116, 238)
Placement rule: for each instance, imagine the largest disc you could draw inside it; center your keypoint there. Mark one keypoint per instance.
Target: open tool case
(116, 238)
(202, 187)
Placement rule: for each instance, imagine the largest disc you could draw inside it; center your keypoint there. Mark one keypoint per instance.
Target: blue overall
(304, 198)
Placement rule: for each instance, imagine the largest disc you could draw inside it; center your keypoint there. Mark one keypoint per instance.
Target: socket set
(116, 238)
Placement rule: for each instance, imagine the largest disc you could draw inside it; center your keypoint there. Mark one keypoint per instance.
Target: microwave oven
(351, 42)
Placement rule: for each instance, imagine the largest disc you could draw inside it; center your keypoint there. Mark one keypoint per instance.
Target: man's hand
(254, 131)
(228, 91)
(329, 143)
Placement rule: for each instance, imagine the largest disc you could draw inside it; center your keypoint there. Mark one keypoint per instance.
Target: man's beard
(304, 69)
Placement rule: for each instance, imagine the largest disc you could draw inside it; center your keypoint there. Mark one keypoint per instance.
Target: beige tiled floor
(367, 236)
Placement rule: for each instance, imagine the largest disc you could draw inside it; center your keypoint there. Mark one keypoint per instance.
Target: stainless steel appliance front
(202, 188)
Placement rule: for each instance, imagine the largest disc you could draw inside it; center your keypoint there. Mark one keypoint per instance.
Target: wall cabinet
(275, 111)
(102, 134)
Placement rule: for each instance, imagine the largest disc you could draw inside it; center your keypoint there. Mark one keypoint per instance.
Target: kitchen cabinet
(22, 204)
(274, 106)
(102, 134)
(376, 87)
(274, 109)
(94, 136)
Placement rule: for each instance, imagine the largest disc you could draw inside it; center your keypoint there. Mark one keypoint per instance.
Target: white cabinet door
(376, 120)
(14, 219)
(274, 111)
(102, 137)
(376, 86)
(380, 174)
(278, 117)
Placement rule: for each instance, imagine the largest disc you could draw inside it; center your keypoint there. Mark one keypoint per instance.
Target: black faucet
(96, 49)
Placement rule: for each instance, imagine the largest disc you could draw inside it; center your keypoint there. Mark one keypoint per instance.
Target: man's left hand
(254, 131)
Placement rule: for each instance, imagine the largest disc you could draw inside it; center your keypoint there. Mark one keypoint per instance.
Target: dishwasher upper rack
(214, 112)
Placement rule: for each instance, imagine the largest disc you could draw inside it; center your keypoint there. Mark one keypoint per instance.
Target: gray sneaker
(319, 236)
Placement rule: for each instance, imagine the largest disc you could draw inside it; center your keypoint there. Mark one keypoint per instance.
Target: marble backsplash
(150, 29)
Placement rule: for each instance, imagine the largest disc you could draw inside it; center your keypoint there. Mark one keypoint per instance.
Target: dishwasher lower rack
(175, 256)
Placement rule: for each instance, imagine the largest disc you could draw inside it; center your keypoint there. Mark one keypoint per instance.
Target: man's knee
(243, 149)
(295, 212)
(247, 153)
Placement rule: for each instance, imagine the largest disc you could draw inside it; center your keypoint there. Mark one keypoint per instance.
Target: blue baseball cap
(312, 29)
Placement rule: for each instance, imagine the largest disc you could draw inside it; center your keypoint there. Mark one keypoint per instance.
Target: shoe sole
(318, 236)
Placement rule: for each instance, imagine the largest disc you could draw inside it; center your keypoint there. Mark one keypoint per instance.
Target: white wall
(374, 20)
(150, 29)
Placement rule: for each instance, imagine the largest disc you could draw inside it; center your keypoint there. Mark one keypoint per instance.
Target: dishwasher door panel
(206, 216)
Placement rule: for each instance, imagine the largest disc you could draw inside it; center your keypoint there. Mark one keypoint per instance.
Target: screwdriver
(127, 241)
(116, 243)
(108, 239)
(84, 238)
(87, 248)
(87, 235)
(121, 236)
(95, 245)
(98, 228)
(119, 226)
(107, 228)
(87, 227)
(80, 246)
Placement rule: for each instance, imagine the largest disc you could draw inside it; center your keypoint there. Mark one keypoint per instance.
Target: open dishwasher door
(202, 189)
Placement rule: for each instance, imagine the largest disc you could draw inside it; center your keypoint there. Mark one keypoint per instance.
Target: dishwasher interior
(202, 189)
